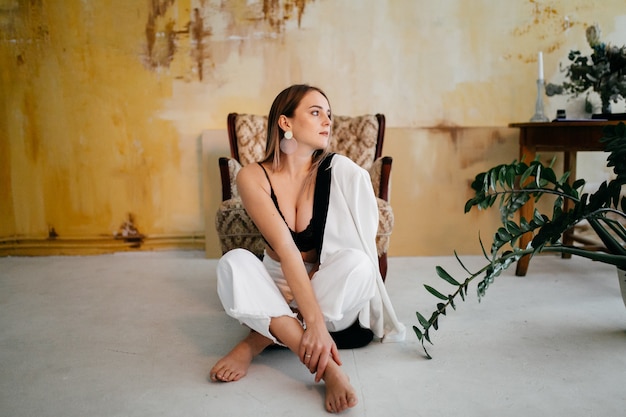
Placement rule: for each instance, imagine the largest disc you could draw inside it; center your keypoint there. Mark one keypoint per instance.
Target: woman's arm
(316, 341)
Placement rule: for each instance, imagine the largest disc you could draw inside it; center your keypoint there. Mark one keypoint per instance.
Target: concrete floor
(136, 334)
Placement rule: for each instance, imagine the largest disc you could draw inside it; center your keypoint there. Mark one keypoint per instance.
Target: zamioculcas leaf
(526, 174)
(503, 235)
(548, 174)
(510, 178)
(538, 176)
(564, 178)
(578, 183)
(513, 227)
(435, 292)
(444, 275)
(492, 180)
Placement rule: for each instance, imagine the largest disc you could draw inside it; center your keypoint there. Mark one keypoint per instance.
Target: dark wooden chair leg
(382, 265)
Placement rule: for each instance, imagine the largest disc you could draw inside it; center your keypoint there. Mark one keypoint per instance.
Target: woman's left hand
(317, 347)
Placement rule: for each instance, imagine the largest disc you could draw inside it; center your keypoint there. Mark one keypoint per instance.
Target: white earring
(287, 144)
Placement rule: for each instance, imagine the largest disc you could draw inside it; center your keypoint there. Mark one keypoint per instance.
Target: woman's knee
(235, 257)
(233, 260)
(351, 268)
(236, 254)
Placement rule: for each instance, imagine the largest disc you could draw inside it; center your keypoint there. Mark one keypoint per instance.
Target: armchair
(360, 138)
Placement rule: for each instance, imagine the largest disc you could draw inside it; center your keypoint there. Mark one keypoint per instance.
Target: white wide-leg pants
(254, 291)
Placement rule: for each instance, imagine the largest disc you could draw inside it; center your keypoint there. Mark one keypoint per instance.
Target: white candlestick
(540, 60)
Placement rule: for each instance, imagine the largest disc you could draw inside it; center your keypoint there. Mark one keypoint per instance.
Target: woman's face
(311, 122)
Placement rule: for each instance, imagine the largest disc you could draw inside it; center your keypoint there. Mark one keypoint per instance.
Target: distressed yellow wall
(116, 108)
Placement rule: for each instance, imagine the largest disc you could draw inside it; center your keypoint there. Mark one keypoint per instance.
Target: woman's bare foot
(340, 394)
(235, 364)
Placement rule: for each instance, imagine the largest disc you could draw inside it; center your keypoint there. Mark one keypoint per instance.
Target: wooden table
(568, 137)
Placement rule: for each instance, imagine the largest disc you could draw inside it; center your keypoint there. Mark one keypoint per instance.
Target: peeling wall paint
(160, 34)
(246, 20)
(103, 105)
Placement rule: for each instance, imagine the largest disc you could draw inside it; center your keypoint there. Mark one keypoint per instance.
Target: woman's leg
(235, 364)
(344, 285)
(246, 290)
(340, 395)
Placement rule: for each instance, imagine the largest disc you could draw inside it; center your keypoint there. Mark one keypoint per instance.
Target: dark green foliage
(604, 72)
(514, 184)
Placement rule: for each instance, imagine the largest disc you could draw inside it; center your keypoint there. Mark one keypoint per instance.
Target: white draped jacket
(352, 222)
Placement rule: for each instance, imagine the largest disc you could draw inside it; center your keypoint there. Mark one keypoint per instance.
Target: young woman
(318, 285)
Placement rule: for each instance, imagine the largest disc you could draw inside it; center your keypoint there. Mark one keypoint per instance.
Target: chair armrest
(229, 168)
(380, 173)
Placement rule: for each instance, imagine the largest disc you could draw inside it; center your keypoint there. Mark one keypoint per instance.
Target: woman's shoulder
(251, 174)
(250, 170)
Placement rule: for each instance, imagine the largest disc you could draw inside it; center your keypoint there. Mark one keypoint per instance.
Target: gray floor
(136, 334)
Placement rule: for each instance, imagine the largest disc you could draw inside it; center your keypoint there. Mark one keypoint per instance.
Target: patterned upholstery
(235, 228)
(356, 137)
(251, 131)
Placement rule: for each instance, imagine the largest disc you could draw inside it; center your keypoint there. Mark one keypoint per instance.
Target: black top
(311, 237)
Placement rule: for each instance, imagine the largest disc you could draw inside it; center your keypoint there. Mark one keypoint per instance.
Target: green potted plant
(604, 72)
(512, 185)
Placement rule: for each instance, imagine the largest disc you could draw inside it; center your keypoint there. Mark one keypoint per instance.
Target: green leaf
(456, 255)
(538, 218)
(552, 161)
(503, 235)
(510, 177)
(492, 180)
(564, 177)
(441, 308)
(578, 183)
(451, 301)
(447, 277)
(422, 320)
(549, 175)
(538, 176)
(418, 332)
(526, 174)
(427, 337)
(512, 227)
(435, 292)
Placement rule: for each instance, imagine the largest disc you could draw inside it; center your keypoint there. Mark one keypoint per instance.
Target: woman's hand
(317, 347)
